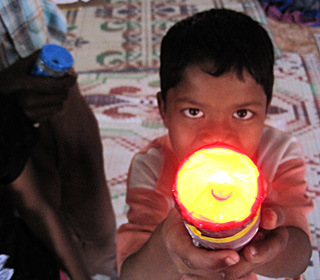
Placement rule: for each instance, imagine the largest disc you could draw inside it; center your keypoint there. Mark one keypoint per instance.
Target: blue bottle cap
(56, 57)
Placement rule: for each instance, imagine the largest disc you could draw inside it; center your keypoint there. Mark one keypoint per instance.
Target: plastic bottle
(54, 61)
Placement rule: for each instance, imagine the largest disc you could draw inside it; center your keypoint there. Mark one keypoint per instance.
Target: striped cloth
(25, 26)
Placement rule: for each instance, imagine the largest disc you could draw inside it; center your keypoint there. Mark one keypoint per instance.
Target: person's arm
(46, 222)
(69, 158)
(76, 152)
(282, 248)
(290, 186)
(288, 263)
(273, 252)
(170, 254)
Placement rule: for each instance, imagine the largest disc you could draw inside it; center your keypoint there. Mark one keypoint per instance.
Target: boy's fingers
(237, 271)
(190, 259)
(201, 259)
(194, 277)
(272, 216)
(265, 250)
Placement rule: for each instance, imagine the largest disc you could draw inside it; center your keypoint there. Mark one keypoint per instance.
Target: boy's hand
(39, 97)
(268, 243)
(189, 261)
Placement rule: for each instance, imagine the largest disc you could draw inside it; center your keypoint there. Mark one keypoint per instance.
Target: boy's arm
(291, 262)
(281, 252)
(45, 222)
(155, 244)
(283, 247)
(170, 254)
(290, 186)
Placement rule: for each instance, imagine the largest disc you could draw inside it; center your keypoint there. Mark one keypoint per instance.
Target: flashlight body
(235, 238)
(219, 192)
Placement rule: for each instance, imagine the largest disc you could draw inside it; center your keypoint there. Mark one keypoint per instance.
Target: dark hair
(220, 40)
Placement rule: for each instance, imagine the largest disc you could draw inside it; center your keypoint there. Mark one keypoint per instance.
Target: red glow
(221, 197)
(217, 188)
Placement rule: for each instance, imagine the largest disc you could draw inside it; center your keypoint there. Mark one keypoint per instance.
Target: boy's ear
(161, 106)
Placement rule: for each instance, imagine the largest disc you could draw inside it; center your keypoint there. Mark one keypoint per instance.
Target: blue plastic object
(54, 61)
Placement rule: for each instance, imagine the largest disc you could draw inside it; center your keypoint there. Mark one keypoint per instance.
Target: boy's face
(203, 109)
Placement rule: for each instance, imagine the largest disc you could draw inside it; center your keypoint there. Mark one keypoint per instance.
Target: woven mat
(116, 49)
(126, 35)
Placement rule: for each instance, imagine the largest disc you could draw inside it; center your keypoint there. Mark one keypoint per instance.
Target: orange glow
(218, 188)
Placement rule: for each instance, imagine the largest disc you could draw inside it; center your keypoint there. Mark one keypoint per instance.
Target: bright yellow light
(217, 185)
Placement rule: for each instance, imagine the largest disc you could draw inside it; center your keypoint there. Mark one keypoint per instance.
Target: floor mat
(126, 35)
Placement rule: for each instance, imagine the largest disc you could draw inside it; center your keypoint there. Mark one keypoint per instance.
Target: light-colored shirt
(152, 173)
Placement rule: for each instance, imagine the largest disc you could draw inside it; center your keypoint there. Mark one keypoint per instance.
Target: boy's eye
(193, 113)
(243, 114)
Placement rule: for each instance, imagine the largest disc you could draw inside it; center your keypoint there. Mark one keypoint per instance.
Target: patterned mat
(126, 35)
(116, 49)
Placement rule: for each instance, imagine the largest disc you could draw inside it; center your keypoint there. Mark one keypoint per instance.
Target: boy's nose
(217, 132)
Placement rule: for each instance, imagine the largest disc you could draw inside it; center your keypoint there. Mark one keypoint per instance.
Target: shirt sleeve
(147, 206)
(289, 190)
(282, 162)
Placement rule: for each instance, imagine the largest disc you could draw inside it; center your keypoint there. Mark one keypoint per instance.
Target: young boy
(216, 84)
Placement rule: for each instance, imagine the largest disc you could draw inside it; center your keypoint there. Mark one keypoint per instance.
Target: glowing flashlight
(219, 191)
